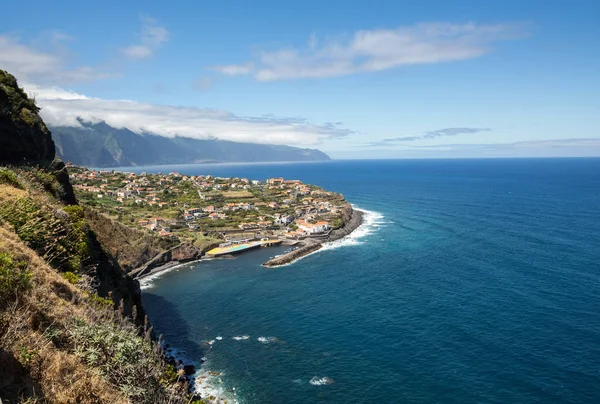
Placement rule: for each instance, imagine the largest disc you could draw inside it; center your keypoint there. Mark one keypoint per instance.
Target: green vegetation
(61, 239)
(17, 99)
(60, 341)
(14, 278)
(9, 177)
(71, 277)
(128, 361)
(101, 303)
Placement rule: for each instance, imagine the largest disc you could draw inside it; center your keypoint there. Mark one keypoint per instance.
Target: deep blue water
(476, 281)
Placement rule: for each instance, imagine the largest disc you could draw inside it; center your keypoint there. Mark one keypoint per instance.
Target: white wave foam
(321, 381)
(209, 384)
(241, 338)
(148, 281)
(267, 340)
(219, 338)
(371, 222)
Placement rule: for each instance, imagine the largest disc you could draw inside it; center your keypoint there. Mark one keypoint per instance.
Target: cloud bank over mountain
(66, 108)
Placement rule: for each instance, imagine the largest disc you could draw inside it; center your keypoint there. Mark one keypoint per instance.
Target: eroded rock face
(24, 138)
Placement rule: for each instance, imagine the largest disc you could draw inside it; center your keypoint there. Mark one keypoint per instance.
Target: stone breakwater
(354, 219)
(293, 255)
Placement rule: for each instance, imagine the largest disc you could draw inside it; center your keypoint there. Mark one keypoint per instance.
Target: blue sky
(377, 79)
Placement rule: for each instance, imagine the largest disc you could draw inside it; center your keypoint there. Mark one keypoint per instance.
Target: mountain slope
(72, 326)
(100, 145)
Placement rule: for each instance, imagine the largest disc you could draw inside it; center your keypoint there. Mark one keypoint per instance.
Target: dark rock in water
(189, 369)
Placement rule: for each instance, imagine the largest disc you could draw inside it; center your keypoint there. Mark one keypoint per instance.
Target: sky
(356, 79)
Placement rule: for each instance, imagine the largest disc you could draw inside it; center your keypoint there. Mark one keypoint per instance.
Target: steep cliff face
(26, 141)
(61, 339)
(24, 138)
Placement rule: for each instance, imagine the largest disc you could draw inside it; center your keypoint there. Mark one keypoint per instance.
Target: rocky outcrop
(352, 220)
(24, 138)
(184, 252)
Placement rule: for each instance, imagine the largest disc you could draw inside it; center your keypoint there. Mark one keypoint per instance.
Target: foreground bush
(125, 359)
(8, 177)
(14, 278)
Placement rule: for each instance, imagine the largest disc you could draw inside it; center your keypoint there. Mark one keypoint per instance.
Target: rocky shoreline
(311, 245)
(184, 254)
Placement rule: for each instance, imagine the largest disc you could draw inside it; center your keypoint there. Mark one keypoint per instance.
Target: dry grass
(131, 247)
(39, 359)
(42, 367)
(10, 193)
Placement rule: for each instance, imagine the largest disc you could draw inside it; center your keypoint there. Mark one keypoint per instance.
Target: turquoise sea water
(473, 281)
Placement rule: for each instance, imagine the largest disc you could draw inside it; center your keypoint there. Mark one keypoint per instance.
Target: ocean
(471, 281)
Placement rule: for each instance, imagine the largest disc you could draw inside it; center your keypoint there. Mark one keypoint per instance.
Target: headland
(184, 218)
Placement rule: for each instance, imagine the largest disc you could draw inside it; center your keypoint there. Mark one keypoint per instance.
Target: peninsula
(217, 216)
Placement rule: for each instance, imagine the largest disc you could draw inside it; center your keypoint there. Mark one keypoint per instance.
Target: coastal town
(235, 213)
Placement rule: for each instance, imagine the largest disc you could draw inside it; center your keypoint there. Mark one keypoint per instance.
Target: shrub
(71, 277)
(49, 182)
(14, 278)
(8, 177)
(101, 302)
(62, 240)
(128, 361)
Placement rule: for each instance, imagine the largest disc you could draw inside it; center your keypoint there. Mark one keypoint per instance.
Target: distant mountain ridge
(101, 145)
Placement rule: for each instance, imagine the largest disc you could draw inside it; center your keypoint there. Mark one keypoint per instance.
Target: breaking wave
(267, 340)
(321, 381)
(371, 222)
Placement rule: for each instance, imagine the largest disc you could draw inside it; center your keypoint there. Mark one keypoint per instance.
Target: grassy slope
(54, 333)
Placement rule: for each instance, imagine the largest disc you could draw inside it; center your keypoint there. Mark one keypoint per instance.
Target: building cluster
(287, 207)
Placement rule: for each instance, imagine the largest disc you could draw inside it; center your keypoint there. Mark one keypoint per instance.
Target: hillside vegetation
(72, 328)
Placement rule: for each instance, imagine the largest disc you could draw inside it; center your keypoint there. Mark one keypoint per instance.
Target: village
(205, 208)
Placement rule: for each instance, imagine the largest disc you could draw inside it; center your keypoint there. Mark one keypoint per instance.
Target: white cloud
(152, 36)
(28, 63)
(235, 70)
(203, 83)
(374, 50)
(64, 108)
(137, 52)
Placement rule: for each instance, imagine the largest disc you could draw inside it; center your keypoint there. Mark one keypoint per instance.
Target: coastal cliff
(24, 139)
(72, 325)
(352, 220)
